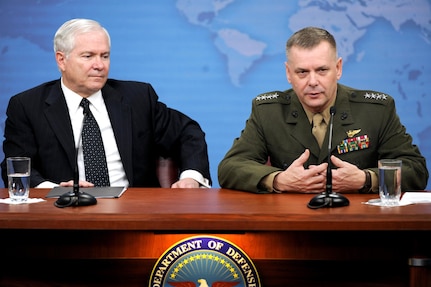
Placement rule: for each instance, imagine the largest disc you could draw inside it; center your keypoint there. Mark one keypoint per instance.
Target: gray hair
(310, 37)
(64, 39)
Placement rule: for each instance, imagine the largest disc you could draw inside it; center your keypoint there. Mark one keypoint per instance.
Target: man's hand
(186, 183)
(298, 179)
(347, 177)
(82, 183)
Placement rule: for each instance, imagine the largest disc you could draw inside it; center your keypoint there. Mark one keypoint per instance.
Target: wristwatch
(367, 186)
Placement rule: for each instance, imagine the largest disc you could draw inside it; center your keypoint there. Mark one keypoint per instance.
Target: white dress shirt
(117, 175)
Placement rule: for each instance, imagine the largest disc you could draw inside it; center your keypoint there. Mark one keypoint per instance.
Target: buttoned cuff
(374, 181)
(190, 173)
(46, 184)
(267, 182)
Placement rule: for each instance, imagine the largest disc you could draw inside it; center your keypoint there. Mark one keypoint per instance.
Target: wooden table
(118, 241)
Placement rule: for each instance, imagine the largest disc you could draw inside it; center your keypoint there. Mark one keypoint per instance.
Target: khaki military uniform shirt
(366, 129)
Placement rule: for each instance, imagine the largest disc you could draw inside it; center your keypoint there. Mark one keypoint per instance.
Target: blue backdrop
(209, 58)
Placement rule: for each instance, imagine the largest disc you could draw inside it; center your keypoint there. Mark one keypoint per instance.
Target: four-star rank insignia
(267, 96)
(375, 96)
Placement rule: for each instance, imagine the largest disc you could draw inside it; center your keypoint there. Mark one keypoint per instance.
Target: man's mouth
(314, 94)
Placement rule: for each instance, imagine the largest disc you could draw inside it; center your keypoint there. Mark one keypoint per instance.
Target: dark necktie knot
(85, 104)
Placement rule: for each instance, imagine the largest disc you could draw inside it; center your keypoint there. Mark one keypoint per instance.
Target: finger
(318, 169)
(83, 183)
(302, 158)
(66, 183)
(183, 185)
(175, 185)
(336, 161)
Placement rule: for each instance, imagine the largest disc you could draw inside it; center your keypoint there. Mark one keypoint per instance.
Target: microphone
(329, 198)
(76, 197)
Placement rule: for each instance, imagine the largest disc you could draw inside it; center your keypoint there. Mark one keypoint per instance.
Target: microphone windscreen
(332, 110)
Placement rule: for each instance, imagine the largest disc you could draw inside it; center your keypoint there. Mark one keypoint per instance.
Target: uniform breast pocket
(364, 158)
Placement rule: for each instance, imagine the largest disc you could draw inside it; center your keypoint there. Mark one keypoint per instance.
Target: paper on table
(407, 199)
(378, 202)
(417, 197)
(98, 192)
(29, 200)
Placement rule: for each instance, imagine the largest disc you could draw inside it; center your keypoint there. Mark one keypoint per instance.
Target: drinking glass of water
(18, 173)
(390, 181)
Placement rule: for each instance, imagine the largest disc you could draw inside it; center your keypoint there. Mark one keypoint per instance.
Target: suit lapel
(57, 115)
(302, 128)
(121, 121)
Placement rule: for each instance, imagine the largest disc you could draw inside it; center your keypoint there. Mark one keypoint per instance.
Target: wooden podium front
(118, 241)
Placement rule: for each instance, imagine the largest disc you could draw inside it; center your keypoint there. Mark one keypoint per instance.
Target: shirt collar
(73, 100)
(326, 114)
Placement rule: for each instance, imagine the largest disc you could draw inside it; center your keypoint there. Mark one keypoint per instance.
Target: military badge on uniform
(376, 96)
(352, 133)
(268, 96)
(353, 144)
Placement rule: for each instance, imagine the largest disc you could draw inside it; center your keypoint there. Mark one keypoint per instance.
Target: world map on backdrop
(209, 58)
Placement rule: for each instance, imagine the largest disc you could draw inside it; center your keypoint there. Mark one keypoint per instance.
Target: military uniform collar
(326, 115)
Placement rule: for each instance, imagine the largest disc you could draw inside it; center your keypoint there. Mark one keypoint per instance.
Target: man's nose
(98, 63)
(313, 79)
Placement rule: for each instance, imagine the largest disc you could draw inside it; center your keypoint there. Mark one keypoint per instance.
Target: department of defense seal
(204, 261)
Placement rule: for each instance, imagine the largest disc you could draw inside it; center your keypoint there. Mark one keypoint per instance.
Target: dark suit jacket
(278, 128)
(38, 125)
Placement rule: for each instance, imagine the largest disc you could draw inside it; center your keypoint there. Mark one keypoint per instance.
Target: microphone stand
(329, 198)
(76, 197)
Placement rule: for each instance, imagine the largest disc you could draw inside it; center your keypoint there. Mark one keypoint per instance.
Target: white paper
(417, 197)
(407, 199)
(378, 202)
(29, 200)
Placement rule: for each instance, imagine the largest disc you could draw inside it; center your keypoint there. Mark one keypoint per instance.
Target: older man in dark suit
(45, 123)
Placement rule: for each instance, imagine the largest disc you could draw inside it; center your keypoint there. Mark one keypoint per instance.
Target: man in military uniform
(278, 150)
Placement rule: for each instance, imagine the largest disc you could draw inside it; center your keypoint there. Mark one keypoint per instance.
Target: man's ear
(60, 58)
(287, 71)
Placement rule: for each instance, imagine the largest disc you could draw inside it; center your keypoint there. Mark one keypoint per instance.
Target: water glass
(390, 181)
(18, 173)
